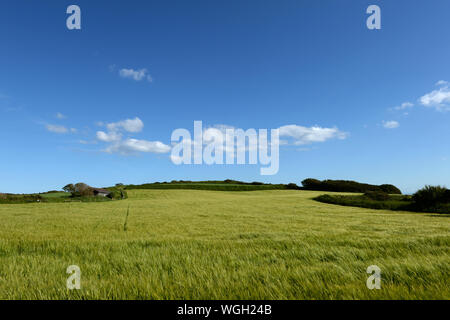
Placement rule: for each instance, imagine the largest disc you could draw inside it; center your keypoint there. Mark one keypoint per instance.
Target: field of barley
(196, 244)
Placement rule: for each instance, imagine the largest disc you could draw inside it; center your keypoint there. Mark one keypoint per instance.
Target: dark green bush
(114, 194)
(390, 189)
(312, 184)
(292, 186)
(226, 185)
(326, 198)
(377, 195)
(446, 197)
(393, 203)
(347, 186)
(430, 197)
(117, 193)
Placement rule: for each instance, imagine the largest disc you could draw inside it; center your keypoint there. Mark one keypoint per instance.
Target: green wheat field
(196, 244)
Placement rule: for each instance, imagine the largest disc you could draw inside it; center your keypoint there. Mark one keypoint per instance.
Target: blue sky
(246, 64)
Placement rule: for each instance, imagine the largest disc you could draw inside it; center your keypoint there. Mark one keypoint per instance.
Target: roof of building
(99, 190)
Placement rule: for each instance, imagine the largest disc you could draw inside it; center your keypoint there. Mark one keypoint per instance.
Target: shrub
(326, 198)
(446, 197)
(347, 186)
(117, 193)
(292, 186)
(226, 185)
(430, 197)
(114, 194)
(390, 189)
(377, 195)
(365, 202)
(312, 184)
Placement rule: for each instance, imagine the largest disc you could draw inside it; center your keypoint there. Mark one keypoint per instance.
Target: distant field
(194, 244)
(55, 195)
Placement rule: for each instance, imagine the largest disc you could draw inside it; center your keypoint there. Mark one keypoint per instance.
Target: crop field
(197, 244)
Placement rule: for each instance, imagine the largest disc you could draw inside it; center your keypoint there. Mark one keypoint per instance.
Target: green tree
(83, 189)
(69, 188)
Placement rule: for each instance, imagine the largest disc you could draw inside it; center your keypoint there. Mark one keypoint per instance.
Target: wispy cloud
(307, 135)
(131, 145)
(391, 124)
(87, 142)
(60, 116)
(403, 106)
(59, 129)
(136, 75)
(56, 128)
(438, 99)
(7, 104)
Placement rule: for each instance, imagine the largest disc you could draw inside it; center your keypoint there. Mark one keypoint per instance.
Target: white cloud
(299, 136)
(129, 125)
(56, 128)
(129, 146)
(108, 137)
(118, 144)
(136, 75)
(60, 116)
(391, 124)
(114, 136)
(404, 105)
(438, 99)
(304, 135)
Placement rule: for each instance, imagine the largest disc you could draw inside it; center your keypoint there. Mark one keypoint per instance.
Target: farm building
(101, 192)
